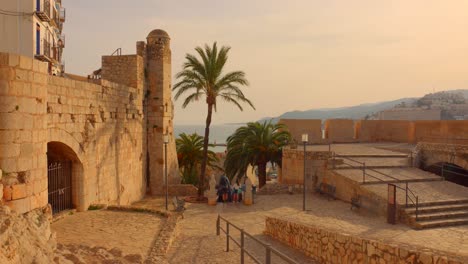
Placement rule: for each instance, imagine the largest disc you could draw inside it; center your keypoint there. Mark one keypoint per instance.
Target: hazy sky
(297, 55)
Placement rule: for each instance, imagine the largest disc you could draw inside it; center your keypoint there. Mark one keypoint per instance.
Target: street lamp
(305, 139)
(166, 140)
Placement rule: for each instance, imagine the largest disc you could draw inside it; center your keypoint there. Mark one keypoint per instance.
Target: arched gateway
(63, 171)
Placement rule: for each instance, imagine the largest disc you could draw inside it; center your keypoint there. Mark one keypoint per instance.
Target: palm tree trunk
(201, 183)
(261, 174)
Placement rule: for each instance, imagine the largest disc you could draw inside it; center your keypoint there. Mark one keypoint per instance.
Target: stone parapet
(328, 246)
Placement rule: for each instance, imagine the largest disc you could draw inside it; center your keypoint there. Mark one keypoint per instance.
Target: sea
(218, 133)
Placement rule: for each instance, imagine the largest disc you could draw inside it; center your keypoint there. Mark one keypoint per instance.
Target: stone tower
(160, 110)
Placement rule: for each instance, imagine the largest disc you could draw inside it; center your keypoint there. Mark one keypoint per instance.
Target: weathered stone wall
(109, 131)
(99, 127)
(182, 190)
(384, 130)
(343, 131)
(432, 153)
(292, 169)
(297, 127)
(339, 130)
(124, 69)
(446, 131)
(104, 126)
(328, 246)
(23, 132)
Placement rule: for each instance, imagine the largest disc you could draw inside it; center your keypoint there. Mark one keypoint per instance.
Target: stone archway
(65, 177)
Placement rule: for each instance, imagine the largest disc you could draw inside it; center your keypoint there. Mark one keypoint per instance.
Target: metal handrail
(407, 190)
(241, 243)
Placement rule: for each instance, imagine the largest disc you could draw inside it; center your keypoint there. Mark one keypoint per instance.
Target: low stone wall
(182, 190)
(333, 247)
(293, 166)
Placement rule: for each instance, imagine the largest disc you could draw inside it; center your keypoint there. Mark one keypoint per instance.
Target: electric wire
(14, 13)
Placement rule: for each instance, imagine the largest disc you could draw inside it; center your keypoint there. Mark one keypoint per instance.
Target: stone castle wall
(335, 247)
(402, 131)
(102, 125)
(108, 131)
(297, 127)
(124, 69)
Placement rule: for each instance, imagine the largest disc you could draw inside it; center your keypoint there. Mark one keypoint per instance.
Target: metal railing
(241, 244)
(117, 52)
(46, 48)
(62, 14)
(43, 10)
(409, 194)
(444, 171)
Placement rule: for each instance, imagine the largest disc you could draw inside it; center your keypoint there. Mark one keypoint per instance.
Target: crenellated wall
(349, 131)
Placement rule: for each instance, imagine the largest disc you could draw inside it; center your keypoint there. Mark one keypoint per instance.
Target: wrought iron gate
(59, 182)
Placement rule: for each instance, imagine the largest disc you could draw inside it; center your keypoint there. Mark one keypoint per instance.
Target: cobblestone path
(197, 242)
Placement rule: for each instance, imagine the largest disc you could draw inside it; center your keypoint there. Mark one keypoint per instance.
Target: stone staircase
(440, 203)
(438, 214)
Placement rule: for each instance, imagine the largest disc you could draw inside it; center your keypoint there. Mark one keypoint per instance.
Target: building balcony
(63, 14)
(61, 41)
(43, 10)
(44, 52)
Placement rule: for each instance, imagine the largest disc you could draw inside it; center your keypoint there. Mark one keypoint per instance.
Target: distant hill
(352, 112)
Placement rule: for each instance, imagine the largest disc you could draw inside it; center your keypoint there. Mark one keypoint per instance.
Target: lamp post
(305, 139)
(166, 140)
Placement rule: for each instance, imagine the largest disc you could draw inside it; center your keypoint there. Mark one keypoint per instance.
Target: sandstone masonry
(111, 130)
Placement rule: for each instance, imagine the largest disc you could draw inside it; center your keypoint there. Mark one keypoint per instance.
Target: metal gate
(59, 185)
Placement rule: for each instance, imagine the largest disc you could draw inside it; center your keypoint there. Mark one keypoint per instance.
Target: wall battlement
(349, 131)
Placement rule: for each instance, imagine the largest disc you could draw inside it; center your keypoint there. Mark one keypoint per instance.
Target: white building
(34, 28)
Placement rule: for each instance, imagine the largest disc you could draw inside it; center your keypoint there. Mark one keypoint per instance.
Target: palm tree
(190, 155)
(204, 79)
(255, 144)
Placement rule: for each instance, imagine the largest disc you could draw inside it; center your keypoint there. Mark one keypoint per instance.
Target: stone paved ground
(197, 242)
(131, 232)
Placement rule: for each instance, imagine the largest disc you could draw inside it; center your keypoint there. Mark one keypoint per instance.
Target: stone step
(437, 208)
(442, 202)
(441, 223)
(440, 215)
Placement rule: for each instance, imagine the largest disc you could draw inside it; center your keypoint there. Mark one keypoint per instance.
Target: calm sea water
(218, 133)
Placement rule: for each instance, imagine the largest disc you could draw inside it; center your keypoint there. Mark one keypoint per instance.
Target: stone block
(7, 193)
(7, 74)
(20, 206)
(4, 87)
(9, 104)
(13, 60)
(18, 191)
(25, 62)
(8, 164)
(9, 150)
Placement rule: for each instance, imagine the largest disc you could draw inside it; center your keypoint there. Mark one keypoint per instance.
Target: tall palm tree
(190, 155)
(203, 78)
(255, 144)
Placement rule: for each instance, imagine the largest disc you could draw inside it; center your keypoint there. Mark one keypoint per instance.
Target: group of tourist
(228, 192)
